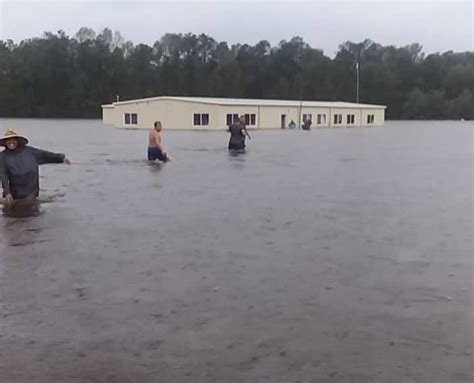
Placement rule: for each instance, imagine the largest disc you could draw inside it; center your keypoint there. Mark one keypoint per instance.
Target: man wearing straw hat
(19, 166)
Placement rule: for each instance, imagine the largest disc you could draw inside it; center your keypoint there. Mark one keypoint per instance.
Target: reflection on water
(118, 162)
(237, 153)
(155, 166)
(237, 158)
(29, 207)
(22, 210)
(205, 150)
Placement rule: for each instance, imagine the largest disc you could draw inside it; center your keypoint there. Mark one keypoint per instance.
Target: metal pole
(357, 68)
(299, 113)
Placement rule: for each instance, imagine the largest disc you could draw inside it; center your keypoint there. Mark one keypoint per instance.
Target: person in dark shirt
(307, 124)
(19, 163)
(238, 131)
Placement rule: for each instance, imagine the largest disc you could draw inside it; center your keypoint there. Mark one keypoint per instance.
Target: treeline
(61, 76)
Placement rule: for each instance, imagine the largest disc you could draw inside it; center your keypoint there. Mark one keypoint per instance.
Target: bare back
(154, 139)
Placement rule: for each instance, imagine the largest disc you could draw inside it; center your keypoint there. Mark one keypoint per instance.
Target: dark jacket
(237, 136)
(19, 170)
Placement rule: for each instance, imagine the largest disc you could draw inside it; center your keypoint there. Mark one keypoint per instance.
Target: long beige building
(200, 113)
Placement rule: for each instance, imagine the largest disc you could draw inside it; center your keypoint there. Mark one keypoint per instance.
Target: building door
(283, 121)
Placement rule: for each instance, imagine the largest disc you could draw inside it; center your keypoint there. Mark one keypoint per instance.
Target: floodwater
(335, 255)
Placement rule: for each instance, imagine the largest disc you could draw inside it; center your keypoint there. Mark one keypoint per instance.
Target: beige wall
(314, 116)
(360, 115)
(178, 115)
(222, 111)
(379, 116)
(344, 112)
(270, 116)
(147, 112)
(108, 115)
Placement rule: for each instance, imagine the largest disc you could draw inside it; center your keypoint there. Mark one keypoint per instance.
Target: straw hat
(10, 133)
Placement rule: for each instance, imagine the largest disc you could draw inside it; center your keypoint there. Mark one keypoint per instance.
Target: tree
(85, 34)
(59, 76)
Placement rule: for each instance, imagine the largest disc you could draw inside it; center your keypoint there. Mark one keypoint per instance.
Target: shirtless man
(155, 150)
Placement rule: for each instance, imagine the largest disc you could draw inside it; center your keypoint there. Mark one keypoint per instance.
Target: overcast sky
(437, 25)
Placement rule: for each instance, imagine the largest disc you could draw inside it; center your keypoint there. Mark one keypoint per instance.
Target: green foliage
(60, 76)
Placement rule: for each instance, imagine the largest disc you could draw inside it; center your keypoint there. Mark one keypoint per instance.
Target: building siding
(178, 114)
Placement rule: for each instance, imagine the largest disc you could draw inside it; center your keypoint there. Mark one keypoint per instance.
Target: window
(201, 119)
(350, 119)
(307, 117)
(321, 119)
(250, 119)
(370, 118)
(231, 118)
(337, 119)
(131, 119)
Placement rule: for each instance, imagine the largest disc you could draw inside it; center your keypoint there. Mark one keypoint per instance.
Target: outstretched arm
(45, 157)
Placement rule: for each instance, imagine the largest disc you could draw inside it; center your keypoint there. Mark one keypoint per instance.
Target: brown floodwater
(335, 255)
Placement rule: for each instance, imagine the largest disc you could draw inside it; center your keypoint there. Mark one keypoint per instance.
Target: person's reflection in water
(237, 158)
(21, 226)
(22, 208)
(155, 166)
(240, 154)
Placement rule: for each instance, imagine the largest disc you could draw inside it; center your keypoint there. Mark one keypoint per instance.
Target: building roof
(251, 102)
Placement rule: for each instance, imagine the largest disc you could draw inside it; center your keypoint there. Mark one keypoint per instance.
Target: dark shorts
(156, 154)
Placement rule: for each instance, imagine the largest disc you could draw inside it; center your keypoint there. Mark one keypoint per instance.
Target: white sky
(437, 25)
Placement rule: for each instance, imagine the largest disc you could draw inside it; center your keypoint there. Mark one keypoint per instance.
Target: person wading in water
(155, 150)
(19, 167)
(238, 132)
